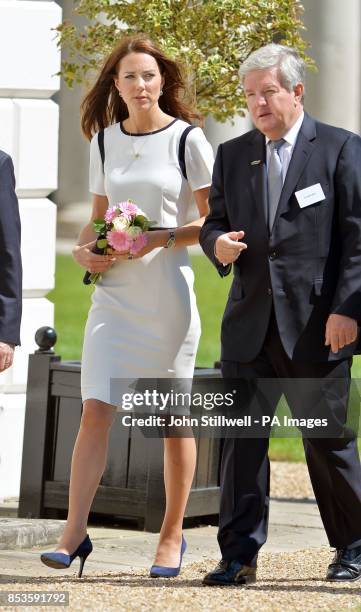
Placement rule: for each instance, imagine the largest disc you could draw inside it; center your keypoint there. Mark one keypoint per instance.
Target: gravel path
(286, 582)
(290, 480)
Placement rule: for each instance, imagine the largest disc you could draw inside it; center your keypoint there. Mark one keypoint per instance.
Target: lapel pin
(256, 162)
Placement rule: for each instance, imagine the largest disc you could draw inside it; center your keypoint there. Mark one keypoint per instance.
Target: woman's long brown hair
(102, 106)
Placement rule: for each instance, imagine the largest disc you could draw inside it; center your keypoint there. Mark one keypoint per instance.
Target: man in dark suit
(285, 210)
(10, 264)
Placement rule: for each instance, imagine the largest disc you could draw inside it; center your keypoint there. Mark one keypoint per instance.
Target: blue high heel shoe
(159, 571)
(61, 560)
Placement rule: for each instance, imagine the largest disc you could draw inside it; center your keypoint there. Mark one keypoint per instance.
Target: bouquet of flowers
(122, 229)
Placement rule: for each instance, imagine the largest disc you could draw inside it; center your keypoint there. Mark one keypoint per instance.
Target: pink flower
(111, 213)
(128, 208)
(119, 240)
(138, 243)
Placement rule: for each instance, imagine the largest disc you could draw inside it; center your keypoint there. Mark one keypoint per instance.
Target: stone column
(220, 132)
(29, 133)
(334, 93)
(73, 175)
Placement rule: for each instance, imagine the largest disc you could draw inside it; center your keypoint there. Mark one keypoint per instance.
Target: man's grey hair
(292, 68)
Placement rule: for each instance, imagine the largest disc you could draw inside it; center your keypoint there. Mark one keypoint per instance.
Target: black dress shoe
(346, 565)
(230, 573)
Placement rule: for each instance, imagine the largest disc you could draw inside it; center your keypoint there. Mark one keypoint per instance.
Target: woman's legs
(179, 466)
(87, 466)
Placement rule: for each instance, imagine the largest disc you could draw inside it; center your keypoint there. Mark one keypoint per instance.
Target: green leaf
(141, 221)
(102, 243)
(99, 226)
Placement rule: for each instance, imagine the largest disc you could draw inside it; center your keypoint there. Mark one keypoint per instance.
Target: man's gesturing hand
(227, 248)
(6, 355)
(340, 331)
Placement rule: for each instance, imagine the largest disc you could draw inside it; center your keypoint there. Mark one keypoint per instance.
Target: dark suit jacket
(10, 258)
(310, 265)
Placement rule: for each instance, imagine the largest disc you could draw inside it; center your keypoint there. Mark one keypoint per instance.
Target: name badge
(310, 195)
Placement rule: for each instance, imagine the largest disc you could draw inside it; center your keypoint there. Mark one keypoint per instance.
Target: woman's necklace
(136, 152)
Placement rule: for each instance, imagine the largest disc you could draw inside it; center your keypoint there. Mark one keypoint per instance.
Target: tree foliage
(209, 37)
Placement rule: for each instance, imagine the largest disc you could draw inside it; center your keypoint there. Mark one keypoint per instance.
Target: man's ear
(299, 91)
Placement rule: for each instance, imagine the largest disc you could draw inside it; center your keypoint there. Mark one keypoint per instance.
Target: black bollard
(45, 338)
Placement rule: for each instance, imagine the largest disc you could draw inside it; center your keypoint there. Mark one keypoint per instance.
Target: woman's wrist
(159, 237)
(183, 236)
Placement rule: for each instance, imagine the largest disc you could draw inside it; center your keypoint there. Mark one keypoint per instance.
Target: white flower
(120, 223)
(134, 231)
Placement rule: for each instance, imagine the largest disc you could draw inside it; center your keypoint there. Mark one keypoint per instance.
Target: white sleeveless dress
(143, 321)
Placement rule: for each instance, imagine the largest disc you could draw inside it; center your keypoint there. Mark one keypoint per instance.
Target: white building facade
(29, 126)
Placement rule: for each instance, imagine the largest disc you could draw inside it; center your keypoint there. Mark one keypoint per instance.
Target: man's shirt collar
(291, 136)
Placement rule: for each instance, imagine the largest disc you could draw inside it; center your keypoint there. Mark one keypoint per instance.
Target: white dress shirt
(286, 150)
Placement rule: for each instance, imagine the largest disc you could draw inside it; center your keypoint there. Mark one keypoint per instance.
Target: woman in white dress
(143, 322)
